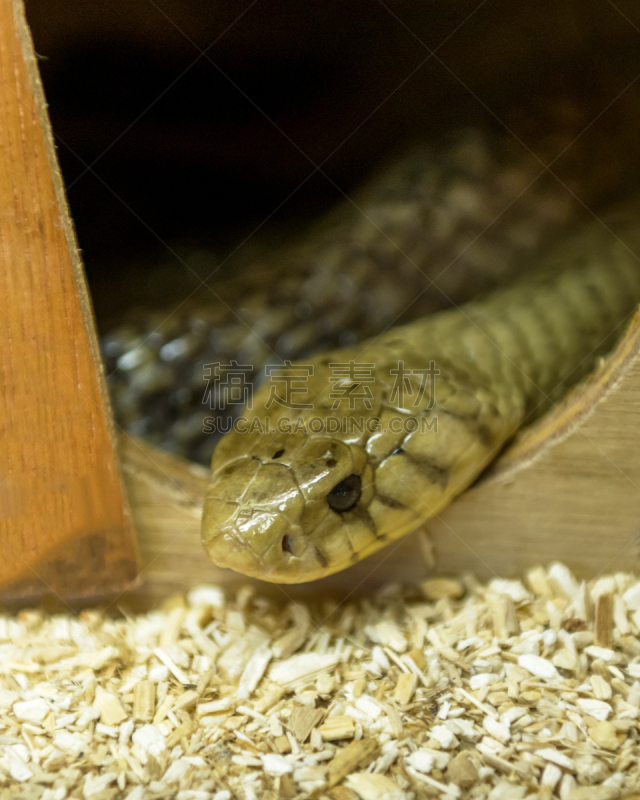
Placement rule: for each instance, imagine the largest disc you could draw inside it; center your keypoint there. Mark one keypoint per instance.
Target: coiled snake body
(302, 503)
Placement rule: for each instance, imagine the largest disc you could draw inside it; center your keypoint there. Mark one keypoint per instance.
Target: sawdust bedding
(451, 689)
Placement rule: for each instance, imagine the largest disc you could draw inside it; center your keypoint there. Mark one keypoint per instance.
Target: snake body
(303, 502)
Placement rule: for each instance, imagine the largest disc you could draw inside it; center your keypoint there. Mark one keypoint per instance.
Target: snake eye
(346, 494)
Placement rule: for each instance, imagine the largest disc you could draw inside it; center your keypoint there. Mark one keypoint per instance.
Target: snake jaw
(255, 522)
(289, 558)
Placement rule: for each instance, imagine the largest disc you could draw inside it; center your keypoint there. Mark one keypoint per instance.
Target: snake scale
(433, 401)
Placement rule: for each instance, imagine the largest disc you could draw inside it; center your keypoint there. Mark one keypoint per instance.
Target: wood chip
(336, 728)
(462, 771)
(282, 743)
(301, 668)
(179, 734)
(303, 720)
(556, 757)
(111, 711)
(253, 672)
(440, 588)
(596, 793)
(289, 642)
(405, 687)
(355, 756)
(144, 701)
(186, 700)
(604, 735)
(540, 667)
(175, 670)
(417, 656)
(374, 787)
(603, 630)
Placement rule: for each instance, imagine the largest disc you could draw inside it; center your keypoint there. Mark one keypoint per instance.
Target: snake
(389, 428)
(294, 497)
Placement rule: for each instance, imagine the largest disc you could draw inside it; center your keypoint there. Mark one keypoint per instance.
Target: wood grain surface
(64, 527)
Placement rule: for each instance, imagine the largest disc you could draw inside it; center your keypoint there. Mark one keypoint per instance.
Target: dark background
(159, 143)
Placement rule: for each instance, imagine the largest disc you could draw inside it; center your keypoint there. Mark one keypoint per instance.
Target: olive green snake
(421, 409)
(290, 502)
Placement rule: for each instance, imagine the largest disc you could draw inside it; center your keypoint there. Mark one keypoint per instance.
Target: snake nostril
(287, 544)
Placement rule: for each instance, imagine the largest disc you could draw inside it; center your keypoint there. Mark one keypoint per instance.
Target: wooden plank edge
(34, 583)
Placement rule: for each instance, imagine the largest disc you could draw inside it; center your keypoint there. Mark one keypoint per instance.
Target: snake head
(289, 505)
(290, 509)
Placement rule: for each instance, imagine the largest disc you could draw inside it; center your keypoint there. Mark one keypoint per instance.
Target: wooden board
(64, 527)
(568, 489)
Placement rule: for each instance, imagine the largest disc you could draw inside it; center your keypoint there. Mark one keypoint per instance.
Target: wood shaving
(517, 689)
